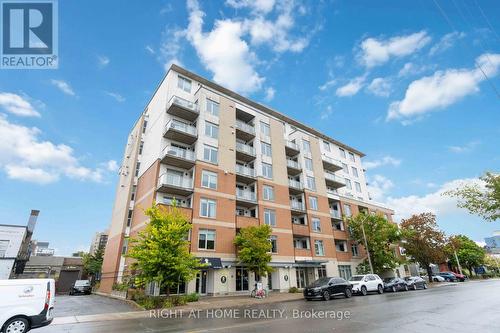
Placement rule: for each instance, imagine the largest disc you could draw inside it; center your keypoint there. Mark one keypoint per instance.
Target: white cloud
(379, 186)
(469, 146)
(223, 51)
(103, 61)
(326, 113)
(259, 6)
(270, 92)
(443, 88)
(150, 49)
(64, 87)
(386, 160)
(446, 42)
(17, 105)
(380, 87)
(352, 87)
(410, 68)
(24, 156)
(119, 98)
(374, 52)
(112, 165)
(170, 48)
(327, 84)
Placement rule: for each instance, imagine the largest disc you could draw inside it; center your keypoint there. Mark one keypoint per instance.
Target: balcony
(300, 229)
(245, 198)
(245, 174)
(244, 152)
(175, 185)
(335, 214)
(244, 131)
(291, 148)
(181, 132)
(302, 252)
(179, 157)
(331, 164)
(182, 108)
(295, 186)
(297, 207)
(246, 221)
(333, 180)
(293, 167)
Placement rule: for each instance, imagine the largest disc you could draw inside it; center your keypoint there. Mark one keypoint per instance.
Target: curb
(128, 301)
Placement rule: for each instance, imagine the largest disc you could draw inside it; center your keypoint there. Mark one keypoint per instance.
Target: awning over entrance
(309, 263)
(281, 264)
(215, 263)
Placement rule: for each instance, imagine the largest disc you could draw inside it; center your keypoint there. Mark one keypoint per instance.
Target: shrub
(120, 286)
(293, 290)
(193, 297)
(178, 300)
(167, 304)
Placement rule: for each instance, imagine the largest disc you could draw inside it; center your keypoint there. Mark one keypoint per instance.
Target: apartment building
(231, 163)
(98, 242)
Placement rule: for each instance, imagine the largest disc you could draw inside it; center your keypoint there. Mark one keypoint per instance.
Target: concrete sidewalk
(203, 304)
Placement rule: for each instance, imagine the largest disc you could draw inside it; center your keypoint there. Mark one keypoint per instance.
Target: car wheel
(348, 293)
(425, 285)
(393, 289)
(326, 295)
(17, 325)
(364, 291)
(414, 286)
(447, 279)
(406, 287)
(380, 289)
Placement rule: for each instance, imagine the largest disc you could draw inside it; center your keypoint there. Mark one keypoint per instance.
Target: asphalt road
(464, 307)
(88, 305)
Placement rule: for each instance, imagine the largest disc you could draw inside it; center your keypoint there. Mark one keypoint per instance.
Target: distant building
(493, 243)
(41, 249)
(99, 241)
(15, 246)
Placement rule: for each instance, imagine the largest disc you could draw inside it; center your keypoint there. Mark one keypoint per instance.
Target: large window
(209, 179)
(348, 184)
(212, 107)
(345, 168)
(268, 192)
(211, 130)
(270, 217)
(316, 224)
(265, 129)
(208, 208)
(309, 164)
(313, 203)
(267, 170)
(129, 217)
(342, 153)
(274, 244)
(210, 154)
(347, 210)
(355, 250)
(266, 149)
(137, 168)
(354, 172)
(307, 146)
(206, 239)
(358, 186)
(341, 246)
(311, 183)
(351, 157)
(326, 146)
(184, 84)
(301, 243)
(319, 250)
(345, 271)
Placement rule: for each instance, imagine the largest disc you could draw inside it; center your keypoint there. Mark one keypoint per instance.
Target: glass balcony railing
(245, 171)
(184, 103)
(297, 205)
(332, 161)
(175, 180)
(180, 126)
(292, 164)
(291, 145)
(245, 195)
(179, 152)
(295, 184)
(241, 147)
(249, 128)
(335, 213)
(334, 178)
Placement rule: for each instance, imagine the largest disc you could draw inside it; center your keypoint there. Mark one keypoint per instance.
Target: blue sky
(413, 85)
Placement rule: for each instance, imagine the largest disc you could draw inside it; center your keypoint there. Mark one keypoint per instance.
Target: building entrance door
(201, 282)
(301, 277)
(241, 279)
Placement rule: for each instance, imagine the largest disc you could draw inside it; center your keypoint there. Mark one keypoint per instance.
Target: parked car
(395, 284)
(415, 282)
(437, 278)
(362, 284)
(81, 287)
(460, 277)
(26, 304)
(326, 287)
(450, 277)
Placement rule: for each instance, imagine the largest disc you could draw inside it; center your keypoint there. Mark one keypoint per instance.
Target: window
(316, 224)
(265, 129)
(341, 246)
(326, 146)
(270, 217)
(125, 246)
(267, 170)
(144, 126)
(184, 84)
(345, 168)
(129, 217)
(141, 147)
(301, 243)
(209, 179)
(318, 248)
(4, 244)
(266, 149)
(212, 107)
(207, 208)
(274, 244)
(354, 172)
(311, 183)
(347, 210)
(313, 202)
(206, 239)
(268, 192)
(132, 195)
(321, 272)
(345, 272)
(348, 184)
(309, 164)
(351, 157)
(338, 225)
(358, 186)
(211, 130)
(354, 250)
(342, 153)
(210, 154)
(307, 146)
(137, 167)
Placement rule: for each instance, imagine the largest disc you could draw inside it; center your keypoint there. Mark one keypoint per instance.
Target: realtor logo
(29, 35)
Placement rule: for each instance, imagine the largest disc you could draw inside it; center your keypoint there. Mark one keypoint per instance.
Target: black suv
(326, 287)
(81, 287)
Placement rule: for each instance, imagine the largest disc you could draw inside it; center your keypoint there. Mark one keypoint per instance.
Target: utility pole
(366, 243)
(456, 257)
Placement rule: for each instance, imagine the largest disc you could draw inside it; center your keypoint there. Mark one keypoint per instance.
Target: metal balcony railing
(179, 152)
(249, 150)
(293, 164)
(246, 171)
(184, 103)
(246, 195)
(180, 126)
(297, 205)
(249, 128)
(175, 180)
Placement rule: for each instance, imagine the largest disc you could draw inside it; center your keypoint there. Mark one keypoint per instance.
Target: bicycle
(258, 293)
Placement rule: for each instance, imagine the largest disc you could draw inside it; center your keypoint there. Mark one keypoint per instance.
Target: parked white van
(26, 304)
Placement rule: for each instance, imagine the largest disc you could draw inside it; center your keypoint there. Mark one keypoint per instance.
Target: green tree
(423, 241)
(492, 263)
(254, 248)
(92, 263)
(469, 253)
(381, 236)
(484, 202)
(161, 249)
